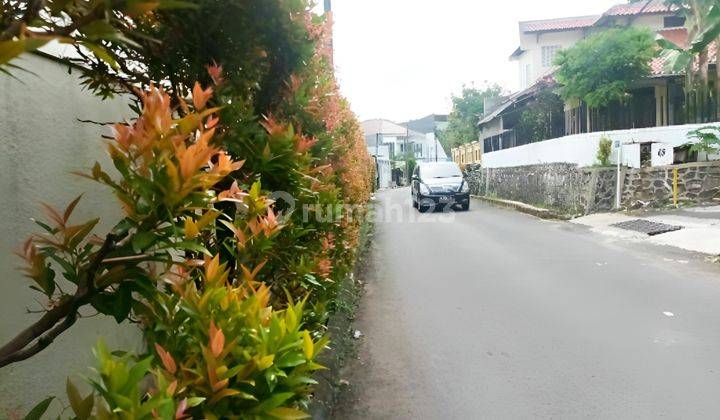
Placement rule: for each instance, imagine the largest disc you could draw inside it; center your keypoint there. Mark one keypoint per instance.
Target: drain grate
(647, 227)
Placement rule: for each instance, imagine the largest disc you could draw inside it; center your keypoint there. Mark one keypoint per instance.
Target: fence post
(676, 176)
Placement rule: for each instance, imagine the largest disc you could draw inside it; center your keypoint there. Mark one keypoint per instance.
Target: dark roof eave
(517, 53)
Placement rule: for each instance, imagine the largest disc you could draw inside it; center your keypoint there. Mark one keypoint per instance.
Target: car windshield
(441, 170)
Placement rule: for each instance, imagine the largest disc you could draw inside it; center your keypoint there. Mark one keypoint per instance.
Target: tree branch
(43, 332)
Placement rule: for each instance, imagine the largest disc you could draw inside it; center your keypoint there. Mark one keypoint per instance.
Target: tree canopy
(467, 109)
(600, 69)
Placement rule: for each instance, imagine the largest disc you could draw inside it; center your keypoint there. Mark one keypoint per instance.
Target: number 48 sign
(662, 154)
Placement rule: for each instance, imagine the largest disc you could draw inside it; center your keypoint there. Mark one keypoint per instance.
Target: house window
(528, 74)
(548, 55)
(674, 21)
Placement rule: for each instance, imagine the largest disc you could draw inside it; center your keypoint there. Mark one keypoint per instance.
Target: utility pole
(407, 154)
(377, 150)
(329, 19)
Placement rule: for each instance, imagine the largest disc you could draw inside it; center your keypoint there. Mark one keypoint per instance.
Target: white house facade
(541, 40)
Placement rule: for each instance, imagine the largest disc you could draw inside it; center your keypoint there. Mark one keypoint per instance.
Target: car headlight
(465, 188)
(424, 190)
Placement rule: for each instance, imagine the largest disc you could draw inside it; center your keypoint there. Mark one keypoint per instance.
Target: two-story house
(656, 101)
(540, 40)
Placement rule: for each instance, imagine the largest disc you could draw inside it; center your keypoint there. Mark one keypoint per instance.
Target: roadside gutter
(523, 208)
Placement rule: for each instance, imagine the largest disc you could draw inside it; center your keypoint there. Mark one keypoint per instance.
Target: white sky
(402, 59)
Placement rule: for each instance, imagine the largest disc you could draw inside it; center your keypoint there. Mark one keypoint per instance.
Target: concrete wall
(41, 142)
(581, 149)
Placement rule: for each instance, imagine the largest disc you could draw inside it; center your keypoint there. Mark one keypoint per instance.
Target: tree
(465, 115)
(543, 117)
(702, 20)
(94, 27)
(600, 69)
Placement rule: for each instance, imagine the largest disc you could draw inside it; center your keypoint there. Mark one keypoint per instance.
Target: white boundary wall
(581, 149)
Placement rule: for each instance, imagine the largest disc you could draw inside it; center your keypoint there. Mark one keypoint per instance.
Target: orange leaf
(216, 73)
(200, 96)
(53, 214)
(217, 339)
(71, 207)
(167, 360)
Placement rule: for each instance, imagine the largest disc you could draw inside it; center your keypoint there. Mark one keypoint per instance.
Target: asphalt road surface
(496, 314)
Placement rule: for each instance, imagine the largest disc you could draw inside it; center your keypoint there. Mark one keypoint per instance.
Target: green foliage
(96, 27)
(411, 164)
(703, 25)
(204, 259)
(465, 115)
(226, 346)
(542, 118)
(164, 174)
(604, 151)
(706, 139)
(600, 69)
(702, 21)
(120, 392)
(37, 412)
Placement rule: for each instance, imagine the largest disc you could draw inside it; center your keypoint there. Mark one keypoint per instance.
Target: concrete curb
(524, 208)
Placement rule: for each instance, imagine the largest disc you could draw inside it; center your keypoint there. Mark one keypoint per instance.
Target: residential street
(497, 314)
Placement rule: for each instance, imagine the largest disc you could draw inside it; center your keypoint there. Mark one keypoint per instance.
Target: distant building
(402, 142)
(433, 123)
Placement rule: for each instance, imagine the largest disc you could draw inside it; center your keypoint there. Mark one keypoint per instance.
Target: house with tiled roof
(540, 40)
(656, 101)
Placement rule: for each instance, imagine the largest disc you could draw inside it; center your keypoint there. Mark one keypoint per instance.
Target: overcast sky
(402, 59)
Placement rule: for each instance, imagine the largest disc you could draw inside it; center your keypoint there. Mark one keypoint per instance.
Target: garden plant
(242, 181)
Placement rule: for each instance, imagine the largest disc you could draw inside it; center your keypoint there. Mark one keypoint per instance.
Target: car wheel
(465, 207)
(425, 205)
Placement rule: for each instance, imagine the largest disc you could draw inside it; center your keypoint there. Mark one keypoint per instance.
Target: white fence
(582, 149)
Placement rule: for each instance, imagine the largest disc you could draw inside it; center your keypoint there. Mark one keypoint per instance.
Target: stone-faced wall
(555, 185)
(573, 190)
(697, 183)
(600, 189)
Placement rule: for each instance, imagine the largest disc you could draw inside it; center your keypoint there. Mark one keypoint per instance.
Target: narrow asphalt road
(496, 314)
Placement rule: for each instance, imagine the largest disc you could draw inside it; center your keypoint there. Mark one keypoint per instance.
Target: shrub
(705, 139)
(226, 345)
(204, 259)
(119, 392)
(165, 175)
(234, 353)
(604, 151)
